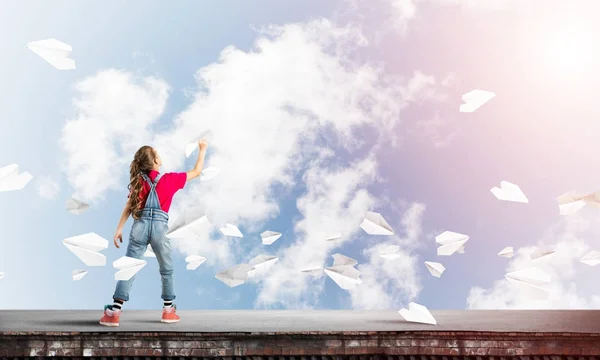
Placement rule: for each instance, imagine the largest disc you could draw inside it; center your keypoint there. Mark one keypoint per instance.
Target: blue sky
(381, 86)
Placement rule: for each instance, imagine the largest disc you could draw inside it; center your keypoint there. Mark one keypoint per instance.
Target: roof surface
(574, 321)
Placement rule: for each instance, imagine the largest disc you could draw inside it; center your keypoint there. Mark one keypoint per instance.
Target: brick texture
(305, 346)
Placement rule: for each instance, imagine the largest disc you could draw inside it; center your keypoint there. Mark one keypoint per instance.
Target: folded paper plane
(190, 147)
(11, 180)
(375, 224)
(391, 252)
(231, 230)
(343, 272)
(313, 270)
(339, 259)
(346, 276)
(530, 281)
(450, 242)
(149, 252)
(333, 237)
(2, 275)
(76, 207)
(87, 248)
(189, 228)
(269, 237)
(436, 269)
(569, 203)
(235, 276)
(193, 145)
(540, 253)
(475, 99)
(261, 264)
(127, 267)
(507, 252)
(193, 261)
(209, 173)
(54, 52)
(592, 258)
(78, 274)
(418, 314)
(509, 192)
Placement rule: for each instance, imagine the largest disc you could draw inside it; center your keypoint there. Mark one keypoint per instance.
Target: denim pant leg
(138, 243)
(161, 245)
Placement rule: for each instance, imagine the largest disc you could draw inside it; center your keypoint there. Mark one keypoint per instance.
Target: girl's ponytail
(135, 188)
(142, 163)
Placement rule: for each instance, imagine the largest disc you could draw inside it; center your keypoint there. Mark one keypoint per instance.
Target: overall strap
(152, 201)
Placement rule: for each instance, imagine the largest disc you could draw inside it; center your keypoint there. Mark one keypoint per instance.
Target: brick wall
(447, 345)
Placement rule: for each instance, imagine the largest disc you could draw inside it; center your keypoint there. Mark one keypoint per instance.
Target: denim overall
(151, 228)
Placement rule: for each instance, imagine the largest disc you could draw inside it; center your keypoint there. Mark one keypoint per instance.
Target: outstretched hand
(119, 237)
(203, 144)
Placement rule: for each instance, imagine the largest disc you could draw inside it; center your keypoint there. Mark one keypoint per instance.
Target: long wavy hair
(143, 162)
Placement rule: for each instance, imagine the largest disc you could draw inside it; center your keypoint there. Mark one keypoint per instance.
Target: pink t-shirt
(166, 188)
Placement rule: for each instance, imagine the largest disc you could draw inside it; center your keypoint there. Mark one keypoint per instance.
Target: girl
(147, 187)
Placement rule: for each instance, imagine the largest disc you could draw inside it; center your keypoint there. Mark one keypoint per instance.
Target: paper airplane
(11, 180)
(436, 269)
(375, 224)
(313, 270)
(261, 264)
(507, 252)
(391, 252)
(2, 275)
(346, 276)
(461, 250)
(76, 207)
(231, 230)
(190, 147)
(127, 267)
(236, 275)
(193, 261)
(149, 252)
(592, 258)
(343, 272)
(339, 259)
(540, 253)
(475, 99)
(269, 237)
(451, 242)
(209, 173)
(530, 280)
(418, 314)
(54, 52)
(188, 229)
(193, 145)
(86, 247)
(569, 203)
(509, 192)
(78, 274)
(334, 237)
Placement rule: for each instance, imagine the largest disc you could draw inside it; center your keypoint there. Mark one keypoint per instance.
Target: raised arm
(197, 170)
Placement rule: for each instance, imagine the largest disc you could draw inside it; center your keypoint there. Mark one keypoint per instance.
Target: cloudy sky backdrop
(320, 111)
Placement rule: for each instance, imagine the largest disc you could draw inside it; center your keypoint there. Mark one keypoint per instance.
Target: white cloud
(113, 113)
(335, 202)
(573, 283)
(47, 188)
(269, 111)
(391, 283)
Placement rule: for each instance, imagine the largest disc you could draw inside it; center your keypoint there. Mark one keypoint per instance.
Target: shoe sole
(169, 321)
(109, 324)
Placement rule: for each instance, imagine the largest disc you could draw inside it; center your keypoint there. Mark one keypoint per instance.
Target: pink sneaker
(169, 315)
(110, 317)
